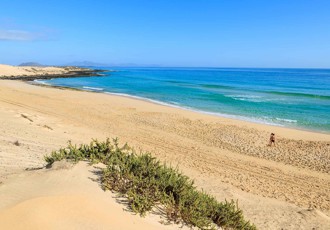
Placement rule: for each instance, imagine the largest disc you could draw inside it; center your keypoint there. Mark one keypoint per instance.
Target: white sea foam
(286, 120)
(41, 82)
(92, 88)
(174, 103)
(251, 98)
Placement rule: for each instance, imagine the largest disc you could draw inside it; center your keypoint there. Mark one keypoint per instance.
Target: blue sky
(246, 33)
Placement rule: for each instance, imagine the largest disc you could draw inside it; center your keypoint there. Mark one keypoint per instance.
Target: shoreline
(226, 116)
(73, 72)
(221, 115)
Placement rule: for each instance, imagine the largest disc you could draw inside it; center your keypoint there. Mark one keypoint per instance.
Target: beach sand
(287, 186)
(66, 197)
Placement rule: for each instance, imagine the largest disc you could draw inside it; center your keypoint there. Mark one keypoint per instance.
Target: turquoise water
(298, 98)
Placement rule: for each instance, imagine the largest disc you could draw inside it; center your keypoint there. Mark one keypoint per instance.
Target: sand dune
(8, 70)
(286, 186)
(64, 198)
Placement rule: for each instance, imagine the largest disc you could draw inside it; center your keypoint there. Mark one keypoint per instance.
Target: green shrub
(146, 183)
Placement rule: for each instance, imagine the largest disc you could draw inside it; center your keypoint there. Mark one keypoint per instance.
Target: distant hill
(31, 64)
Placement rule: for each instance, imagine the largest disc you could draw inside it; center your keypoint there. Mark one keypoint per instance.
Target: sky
(187, 33)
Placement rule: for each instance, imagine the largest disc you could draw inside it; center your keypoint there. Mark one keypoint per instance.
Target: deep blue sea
(298, 98)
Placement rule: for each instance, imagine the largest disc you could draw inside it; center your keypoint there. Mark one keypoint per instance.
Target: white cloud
(20, 35)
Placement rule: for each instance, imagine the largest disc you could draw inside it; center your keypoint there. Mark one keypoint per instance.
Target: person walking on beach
(272, 139)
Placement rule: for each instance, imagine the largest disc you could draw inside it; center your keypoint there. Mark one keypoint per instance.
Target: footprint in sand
(26, 117)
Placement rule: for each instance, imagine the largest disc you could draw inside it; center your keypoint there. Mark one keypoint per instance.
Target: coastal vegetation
(146, 184)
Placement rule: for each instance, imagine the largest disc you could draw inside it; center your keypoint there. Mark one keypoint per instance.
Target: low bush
(146, 183)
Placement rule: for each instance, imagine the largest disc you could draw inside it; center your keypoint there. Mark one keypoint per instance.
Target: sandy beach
(282, 187)
(7, 70)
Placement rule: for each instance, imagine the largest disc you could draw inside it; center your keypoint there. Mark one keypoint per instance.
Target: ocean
(296, 98)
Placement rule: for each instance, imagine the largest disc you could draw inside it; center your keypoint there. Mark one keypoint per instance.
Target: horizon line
(160, 66)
